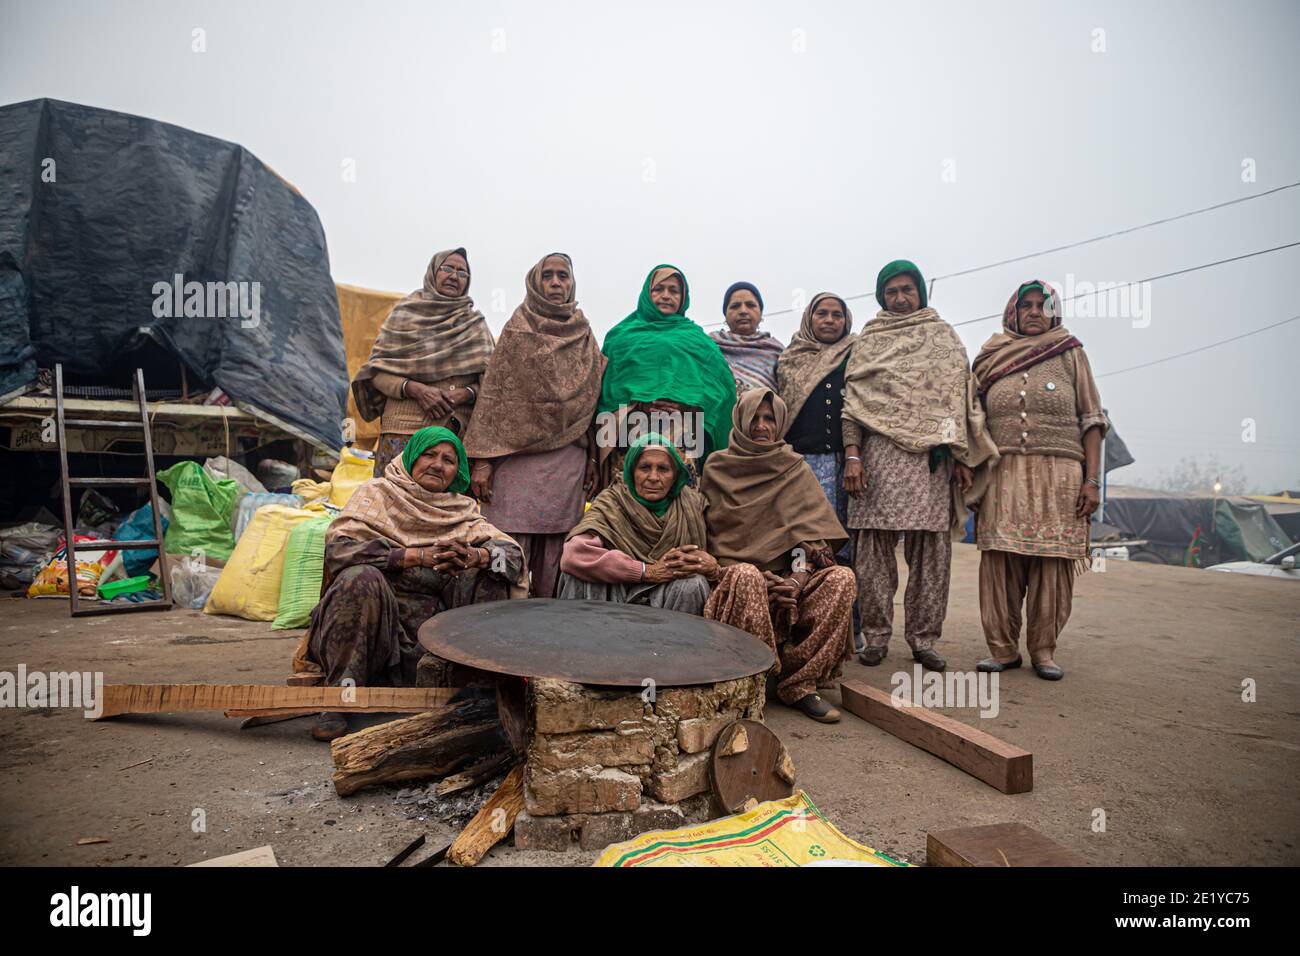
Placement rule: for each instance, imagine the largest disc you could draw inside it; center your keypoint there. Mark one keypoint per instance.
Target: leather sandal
(330, 726)
(819, 709)
(872, 656)
(929, 660)
(991, 665)
(1048, 671)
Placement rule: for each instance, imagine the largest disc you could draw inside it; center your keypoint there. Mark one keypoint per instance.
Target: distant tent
(1230, 528)
(103, 208)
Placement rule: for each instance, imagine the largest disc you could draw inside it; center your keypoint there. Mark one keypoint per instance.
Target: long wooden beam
(269, 699)
(996, 762)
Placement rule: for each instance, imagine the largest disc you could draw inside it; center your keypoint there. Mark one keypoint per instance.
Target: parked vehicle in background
(1280, 565)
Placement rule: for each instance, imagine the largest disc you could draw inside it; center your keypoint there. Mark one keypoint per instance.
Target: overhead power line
(1081, 242)
(1163, 275)
(1203, 348)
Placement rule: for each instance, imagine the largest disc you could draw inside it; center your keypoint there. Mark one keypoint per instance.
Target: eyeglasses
(458, 273)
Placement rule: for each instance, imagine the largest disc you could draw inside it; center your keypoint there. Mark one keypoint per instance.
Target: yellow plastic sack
(249, 586)
(353, 468)
(310, 490)
(789, 832)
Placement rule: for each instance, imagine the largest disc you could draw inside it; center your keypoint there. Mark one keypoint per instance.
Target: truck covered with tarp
(127, 242)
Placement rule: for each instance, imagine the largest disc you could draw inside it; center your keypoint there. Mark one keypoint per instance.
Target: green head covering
(896, 268)
(425, 439)
(656, 508)
(1029, 287)
(656, 356)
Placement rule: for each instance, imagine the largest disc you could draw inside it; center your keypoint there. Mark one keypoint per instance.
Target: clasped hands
(682, 562)
(452, 557)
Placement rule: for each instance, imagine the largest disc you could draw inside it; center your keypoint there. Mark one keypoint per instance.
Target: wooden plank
(998, 844)
(263, 699)
(996, 762)
(258, 856)
(492, 823)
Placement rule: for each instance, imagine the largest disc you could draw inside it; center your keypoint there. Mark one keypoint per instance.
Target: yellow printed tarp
(789, 832)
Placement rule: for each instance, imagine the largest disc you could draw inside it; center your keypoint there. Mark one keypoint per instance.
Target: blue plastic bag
(137, 527)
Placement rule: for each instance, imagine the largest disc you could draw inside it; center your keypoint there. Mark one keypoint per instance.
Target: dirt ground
(1148, 726)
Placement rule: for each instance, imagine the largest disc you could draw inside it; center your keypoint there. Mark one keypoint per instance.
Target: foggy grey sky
(797, 145)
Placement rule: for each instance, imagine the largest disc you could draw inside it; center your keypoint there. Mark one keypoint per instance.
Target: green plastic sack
(201, 511)
(304, 567)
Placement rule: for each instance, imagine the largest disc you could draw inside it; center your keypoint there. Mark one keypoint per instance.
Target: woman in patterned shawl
(426, 362)
(407, 546)
(1045, 414)
(751, 354)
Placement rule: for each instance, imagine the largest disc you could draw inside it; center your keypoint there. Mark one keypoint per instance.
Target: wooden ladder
(68, 482)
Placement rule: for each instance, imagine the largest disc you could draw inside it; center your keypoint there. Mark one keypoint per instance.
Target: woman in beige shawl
(914, 434)
(407, 546)
(426, 362)
(1032, 524)
(643, 539)
(775, 535)
(531, 442)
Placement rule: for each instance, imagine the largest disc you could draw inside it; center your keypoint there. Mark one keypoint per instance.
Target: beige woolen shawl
(764, 500)
(626, 525)
(807, 360)
(428, 337)
(397, 508)
(542, 383)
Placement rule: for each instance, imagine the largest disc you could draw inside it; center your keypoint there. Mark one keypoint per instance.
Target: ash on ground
(454, 810)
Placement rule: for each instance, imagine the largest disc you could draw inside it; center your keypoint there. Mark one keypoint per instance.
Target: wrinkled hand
(1088, 501)
(433, 400)
(855, 478)
(453, 557)
(480, 480)
(781, 592)
(659, 572)
(691, 559)
(964, 477)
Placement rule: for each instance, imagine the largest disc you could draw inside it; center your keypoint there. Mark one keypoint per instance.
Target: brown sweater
(1046, 410)
(404, 416)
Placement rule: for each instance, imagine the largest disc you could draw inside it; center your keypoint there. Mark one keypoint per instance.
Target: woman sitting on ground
(407, 546)
(776, 535)
(642, 541)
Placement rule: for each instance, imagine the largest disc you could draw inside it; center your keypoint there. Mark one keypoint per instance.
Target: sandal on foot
(872, 656)
(991, 665)
(1048, 671)
(929, 660)
(818, 708)
(329, 726)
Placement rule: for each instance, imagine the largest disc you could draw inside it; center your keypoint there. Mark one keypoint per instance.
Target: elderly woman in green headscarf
(643, 539)
(665, 375)
(407, 546)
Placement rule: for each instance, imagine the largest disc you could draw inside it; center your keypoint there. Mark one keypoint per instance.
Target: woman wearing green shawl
(642, 541)
(664, 375)
(408, 545)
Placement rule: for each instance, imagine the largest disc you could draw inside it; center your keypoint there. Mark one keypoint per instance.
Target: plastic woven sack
(192, 582)
(249, 504)
(249, 586)
(790, 832)
(354, 467)
(309, 489)
(201, 511)
(304, 567)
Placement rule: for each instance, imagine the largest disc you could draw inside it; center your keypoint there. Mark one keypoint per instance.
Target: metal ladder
(137, 387)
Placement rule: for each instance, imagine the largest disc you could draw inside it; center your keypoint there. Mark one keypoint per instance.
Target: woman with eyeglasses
(427, 360)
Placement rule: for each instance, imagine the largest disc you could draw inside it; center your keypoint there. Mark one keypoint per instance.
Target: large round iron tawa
(594, 642)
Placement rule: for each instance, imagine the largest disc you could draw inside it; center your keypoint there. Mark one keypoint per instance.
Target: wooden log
(999, 844)
(999, 764)
(435, 744)
(492, 823)
(260, 700)
(476, 774)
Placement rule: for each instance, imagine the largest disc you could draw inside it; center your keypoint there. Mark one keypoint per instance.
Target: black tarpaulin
(102, 209)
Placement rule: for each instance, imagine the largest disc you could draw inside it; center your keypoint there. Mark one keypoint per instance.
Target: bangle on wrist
(1093, 481)
(852, 458)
